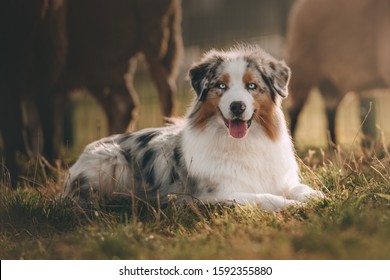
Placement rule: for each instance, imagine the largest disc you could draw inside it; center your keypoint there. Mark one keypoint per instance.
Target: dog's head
(239, 87)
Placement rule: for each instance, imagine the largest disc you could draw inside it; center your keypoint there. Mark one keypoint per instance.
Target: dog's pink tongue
(237, 128)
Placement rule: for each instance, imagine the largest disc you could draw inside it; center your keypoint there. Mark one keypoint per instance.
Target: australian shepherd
(232, 147)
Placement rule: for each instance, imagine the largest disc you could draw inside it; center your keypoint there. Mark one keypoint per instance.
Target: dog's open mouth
(237, 128)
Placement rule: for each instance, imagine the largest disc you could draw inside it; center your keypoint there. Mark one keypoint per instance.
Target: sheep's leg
(332, 97)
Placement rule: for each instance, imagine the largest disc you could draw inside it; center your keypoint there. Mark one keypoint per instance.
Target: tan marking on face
(207, 110)
(248, 78)
(225, 78)
(264, 115)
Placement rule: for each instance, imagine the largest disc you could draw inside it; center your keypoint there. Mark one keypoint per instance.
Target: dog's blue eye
(252, 86)
(222, 86)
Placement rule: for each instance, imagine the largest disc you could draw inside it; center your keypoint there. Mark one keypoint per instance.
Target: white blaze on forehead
(236, 91)
(236, 69)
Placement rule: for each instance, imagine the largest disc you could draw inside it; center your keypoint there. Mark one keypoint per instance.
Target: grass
(353, 222)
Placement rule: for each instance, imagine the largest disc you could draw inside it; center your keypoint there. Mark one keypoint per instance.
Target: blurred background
(220, 24)
(204, 25)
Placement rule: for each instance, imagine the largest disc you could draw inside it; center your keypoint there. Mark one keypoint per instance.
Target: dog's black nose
(237, 108)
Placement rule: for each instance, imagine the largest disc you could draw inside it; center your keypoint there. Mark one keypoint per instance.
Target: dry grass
(353, 222)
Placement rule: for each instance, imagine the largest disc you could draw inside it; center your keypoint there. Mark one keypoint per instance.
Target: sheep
(50, 47)
(32, 56)
(337, 46)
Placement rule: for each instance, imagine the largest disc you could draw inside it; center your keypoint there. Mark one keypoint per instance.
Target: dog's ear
(276, 75)
(199, 81)
(202, 74)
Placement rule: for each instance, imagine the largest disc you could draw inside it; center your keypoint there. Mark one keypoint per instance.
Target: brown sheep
(54, 46)
(104, 38)
(337, 46)
(32, 55)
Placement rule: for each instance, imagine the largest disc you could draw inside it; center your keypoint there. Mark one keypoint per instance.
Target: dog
(233, 146)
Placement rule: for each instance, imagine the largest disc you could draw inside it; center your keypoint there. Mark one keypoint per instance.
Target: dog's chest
(249, 165)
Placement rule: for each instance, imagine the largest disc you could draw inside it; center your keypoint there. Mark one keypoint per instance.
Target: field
(353, 222)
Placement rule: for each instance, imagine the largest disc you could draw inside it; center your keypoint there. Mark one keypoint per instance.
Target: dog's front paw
(304, 193)
(274, 203)
(313, 195)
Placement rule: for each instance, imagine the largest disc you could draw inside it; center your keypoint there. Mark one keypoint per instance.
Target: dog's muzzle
(237, 126)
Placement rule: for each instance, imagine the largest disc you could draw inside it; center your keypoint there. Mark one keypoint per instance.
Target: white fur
(263, 172)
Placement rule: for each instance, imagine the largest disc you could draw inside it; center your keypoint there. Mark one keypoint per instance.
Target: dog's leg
(268, 202)
(303, 193)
